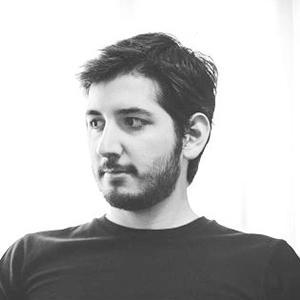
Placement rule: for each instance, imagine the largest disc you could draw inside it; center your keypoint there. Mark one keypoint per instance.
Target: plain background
(248, 177)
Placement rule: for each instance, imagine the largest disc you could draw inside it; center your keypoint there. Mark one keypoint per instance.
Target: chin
(134, 201)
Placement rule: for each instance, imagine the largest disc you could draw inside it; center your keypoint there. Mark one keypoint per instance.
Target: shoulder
(34, 249)
(269, 262)
(220, 232)
(32, 244)
(273, 261)
(251, 245)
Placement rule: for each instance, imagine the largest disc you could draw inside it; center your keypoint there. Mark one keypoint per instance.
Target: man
(149, 115)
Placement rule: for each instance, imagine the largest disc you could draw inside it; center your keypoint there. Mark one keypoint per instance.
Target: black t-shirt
(102, 260)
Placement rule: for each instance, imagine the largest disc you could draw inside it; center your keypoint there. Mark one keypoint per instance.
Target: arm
(282, 277)
(11, 265)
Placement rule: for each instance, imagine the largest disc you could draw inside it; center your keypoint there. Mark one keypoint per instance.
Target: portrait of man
(150, 106)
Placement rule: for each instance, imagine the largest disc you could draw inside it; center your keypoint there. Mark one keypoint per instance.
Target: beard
(157, 183)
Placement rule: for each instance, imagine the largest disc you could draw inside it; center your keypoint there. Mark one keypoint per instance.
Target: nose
(109, 143)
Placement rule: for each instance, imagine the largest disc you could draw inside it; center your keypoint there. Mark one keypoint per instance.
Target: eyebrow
(124, 111)
(92, 112)
(134, 110)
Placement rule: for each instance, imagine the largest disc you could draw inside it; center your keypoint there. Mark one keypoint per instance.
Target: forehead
(123, 92)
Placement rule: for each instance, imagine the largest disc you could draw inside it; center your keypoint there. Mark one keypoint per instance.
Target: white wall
(249, 175)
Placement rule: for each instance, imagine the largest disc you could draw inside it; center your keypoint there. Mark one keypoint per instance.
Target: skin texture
(136, 156)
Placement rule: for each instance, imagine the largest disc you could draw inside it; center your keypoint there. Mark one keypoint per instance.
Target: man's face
(134, 149)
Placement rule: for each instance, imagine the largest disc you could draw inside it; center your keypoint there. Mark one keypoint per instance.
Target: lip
(114, 175)
(114, 171)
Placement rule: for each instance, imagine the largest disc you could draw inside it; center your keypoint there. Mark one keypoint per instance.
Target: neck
(172, 212)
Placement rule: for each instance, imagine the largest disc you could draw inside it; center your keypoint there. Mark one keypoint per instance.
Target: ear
(196, 136)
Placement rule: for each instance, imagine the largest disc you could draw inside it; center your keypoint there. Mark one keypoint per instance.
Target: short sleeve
(11, 265)
(282, 277)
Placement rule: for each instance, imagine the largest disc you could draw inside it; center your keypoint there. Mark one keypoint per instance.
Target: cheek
(92, 150)
(146, 153)
(93, 153)
(92, 144)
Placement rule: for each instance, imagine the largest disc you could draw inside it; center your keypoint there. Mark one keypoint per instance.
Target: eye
(135, 123)
(96, 124)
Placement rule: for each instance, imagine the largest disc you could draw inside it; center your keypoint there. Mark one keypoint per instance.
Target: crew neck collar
(118, 229)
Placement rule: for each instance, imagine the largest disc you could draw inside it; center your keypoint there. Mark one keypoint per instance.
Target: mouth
(116, 170)
(113, 172)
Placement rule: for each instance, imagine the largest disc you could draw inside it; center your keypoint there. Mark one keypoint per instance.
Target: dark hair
(187, 79)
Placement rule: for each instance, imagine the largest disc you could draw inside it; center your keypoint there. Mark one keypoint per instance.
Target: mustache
(113, 167)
